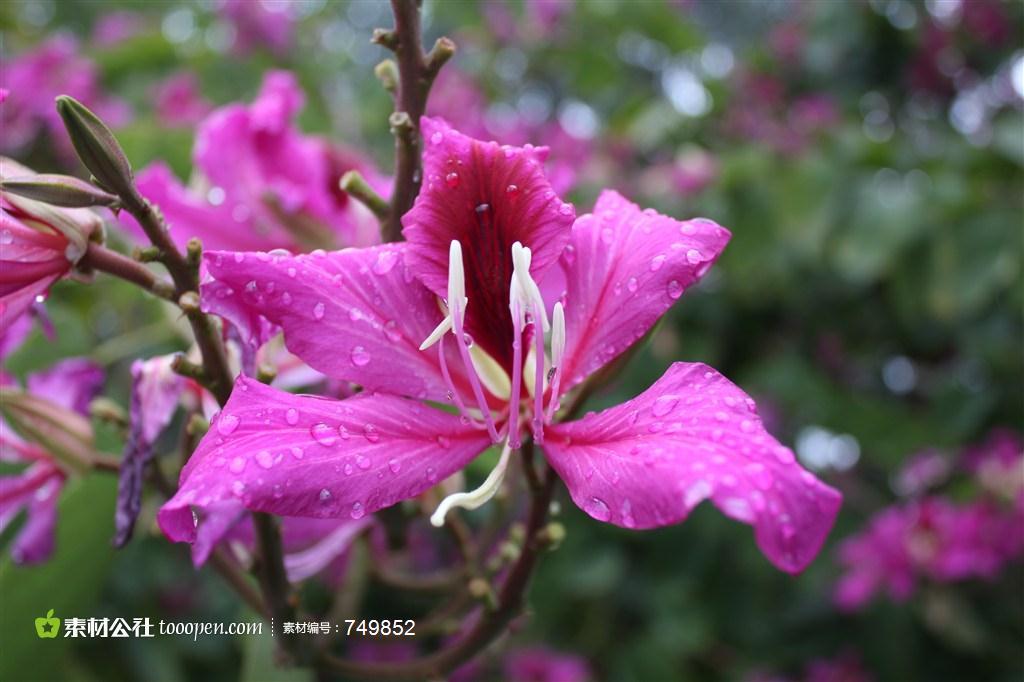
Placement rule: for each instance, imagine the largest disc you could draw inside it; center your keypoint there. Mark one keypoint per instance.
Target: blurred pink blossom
(258, 23)
(180, 101)
(54, 67)
(539, 664)
(116, 27)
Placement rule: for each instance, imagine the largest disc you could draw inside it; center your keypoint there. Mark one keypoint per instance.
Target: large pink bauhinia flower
(537, 301)
(261, 183)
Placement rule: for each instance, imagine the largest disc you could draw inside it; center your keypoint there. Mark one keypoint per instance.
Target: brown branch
(416, 73)
(98, 257)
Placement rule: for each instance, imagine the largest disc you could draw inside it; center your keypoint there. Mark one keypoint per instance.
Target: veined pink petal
(487, 197)
(307, 456)
(693, 436)
(624, 267)
(356, 315)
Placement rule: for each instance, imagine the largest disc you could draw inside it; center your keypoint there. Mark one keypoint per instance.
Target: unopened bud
(97, 147)
(443, 50)
(387, 74)
(194, 251)
(382, 36)
(189, 302)
(63, 433)
(58, 190)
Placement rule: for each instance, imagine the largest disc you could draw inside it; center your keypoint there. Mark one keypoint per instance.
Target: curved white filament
(474, 498)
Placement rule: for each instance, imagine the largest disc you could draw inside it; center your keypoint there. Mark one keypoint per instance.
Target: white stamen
(523, 287)
(474, 498)
(557, 355)
(456, 294)
(491, 374)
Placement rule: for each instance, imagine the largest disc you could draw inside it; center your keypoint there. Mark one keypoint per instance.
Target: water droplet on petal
(286, 298)
(452, 180)
(348, 469)
(391, 331)
(324, 495)
(437, 137)
(693, 256)
(565, 209)
(265, 459)
(697, 493)
(363, 462)
(431, 475)
(443, 441)
(227, 424)
(297, 452)
(597, 508)
(6, 237)
(746, 425)
(512, 191)
(318, 310)
(394, 465)
(291, 416)
(664, 405)
(739, 509)
(385, 261)
(357, 511)
(323, 434)
(359, 356)
(237, 465)
(675, 289)
(371, 433)
(657, 262)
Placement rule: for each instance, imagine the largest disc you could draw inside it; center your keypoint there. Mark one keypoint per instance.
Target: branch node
(356, 185)
(385, 38)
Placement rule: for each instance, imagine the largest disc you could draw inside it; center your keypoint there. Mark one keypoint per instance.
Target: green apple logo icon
(48, 627)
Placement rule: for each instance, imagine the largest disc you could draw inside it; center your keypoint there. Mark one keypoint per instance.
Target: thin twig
(98, 257)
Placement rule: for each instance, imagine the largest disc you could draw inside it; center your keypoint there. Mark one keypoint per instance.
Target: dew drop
(363, 462)
(291, 416)
(297, 452)
(385, 262)
(697, 493)
(657, 262)
(693, 256)
(359, 356)
(348, 469)
(512, 191)
(565, 209)
(6, 237)
(371, 433)
(357, 511)
(394, 465)
(318, 310)
(452, 180)
(227, 424)
(437, 137)
(664, 405)
(444, 442)
(265, 459)
(391, 331)
(342, 431)
(431, 475)
(746, 425)
(675, 289)
(323, 434)
(292, 272)
(286, 298)
(597, 508)
(325, 495)
(237, 465)
(632, 285)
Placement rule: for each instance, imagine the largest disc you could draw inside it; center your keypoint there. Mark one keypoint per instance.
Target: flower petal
(357, 315)
(693, 436)
(307, 456)
(487, 197)
(624, 268)
(156, 390)
(70, 383)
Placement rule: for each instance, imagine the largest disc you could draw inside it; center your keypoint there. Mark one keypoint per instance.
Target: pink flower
(65, 391)
(258, 24)
(489, 236)
(998, 464)
(52, 68)
(933, 539)
(263, 184)
(544, 665)
(38, 246)
(179, 101)
(116, 27)
(921, 472)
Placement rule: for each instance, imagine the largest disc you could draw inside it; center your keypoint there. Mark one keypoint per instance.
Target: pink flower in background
(112, 28)
(261, 183)
(54, 67)
(65, 391)
(488, 236)
(845, 667)
(180, 101)
(998, 465)
(545, 665)
(921, 472)
(258, 25)
(39, 244)
(934, 539)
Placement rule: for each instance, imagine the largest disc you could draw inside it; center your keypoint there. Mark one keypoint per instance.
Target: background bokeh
(867, 157)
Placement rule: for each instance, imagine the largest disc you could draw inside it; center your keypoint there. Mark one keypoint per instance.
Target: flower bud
(58, 190)
(97, 147)
(62, 432)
